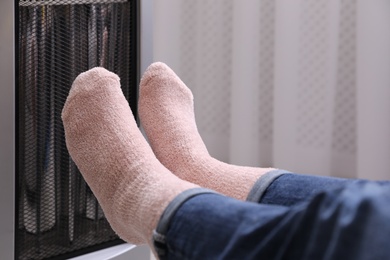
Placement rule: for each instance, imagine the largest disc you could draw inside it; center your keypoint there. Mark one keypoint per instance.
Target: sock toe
(159, 75)
(155, 69)
(90, 80)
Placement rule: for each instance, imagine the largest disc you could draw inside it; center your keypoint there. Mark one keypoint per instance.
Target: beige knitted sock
(104, 141)
(167, 114)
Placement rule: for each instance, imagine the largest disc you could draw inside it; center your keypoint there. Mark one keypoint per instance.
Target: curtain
(302, 85)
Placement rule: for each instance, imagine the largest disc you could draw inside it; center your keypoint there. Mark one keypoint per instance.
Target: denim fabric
(352, 222)
(288, 189)
(159, 240)
(261, 185)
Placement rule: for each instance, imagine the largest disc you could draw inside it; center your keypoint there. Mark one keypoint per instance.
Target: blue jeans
(296, 217)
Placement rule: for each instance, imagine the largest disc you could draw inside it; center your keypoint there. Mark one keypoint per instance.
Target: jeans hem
(261, 185)
(159, 233)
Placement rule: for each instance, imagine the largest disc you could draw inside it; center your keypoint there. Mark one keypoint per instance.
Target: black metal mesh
(57, 214)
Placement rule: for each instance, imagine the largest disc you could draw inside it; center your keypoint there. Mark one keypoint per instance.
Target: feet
(131, 185)
(166, 110)
(103, 139)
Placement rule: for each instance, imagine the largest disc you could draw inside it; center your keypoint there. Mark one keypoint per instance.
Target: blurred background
(301, 85)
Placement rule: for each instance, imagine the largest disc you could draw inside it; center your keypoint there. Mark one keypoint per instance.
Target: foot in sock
(167, 115)
(104, 141)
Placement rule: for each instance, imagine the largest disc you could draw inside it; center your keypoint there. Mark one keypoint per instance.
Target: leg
(134, 189)
(349, 223)
(287, 189)
(167, 114)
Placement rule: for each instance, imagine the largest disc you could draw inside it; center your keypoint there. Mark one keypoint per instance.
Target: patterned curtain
(297, 84)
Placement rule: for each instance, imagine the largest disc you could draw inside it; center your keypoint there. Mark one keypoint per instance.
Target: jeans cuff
(159, 233)
(261, 185)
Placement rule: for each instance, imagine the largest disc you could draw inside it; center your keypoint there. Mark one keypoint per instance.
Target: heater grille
(57, 214)
(65, 2)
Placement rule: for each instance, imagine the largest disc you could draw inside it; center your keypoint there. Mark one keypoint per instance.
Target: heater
(48, 211)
